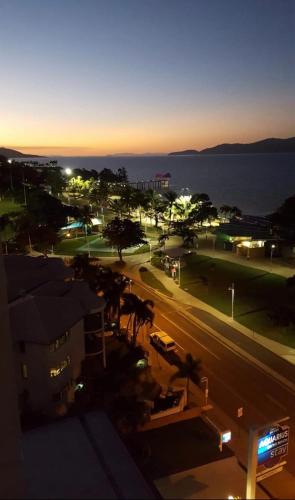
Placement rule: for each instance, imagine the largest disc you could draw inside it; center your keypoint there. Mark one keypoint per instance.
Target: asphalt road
(234, 381)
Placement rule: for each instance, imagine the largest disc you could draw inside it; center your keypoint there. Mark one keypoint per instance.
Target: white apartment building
(50, 315)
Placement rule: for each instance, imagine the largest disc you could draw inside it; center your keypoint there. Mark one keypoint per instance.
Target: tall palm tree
(113, 291)
(139, 200)
(99, 195)
(118, 206)
(170, 197)
(189, 369)
(162, 239)
(155, 205)
(85, 218)
(139, 311)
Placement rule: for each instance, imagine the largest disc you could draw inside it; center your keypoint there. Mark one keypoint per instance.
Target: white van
(163, 341)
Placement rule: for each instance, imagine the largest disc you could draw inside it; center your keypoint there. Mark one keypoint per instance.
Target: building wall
(40, 392)
(254, 252)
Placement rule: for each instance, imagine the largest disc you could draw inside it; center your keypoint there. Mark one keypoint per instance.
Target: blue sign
(274, 444)
(226, 436)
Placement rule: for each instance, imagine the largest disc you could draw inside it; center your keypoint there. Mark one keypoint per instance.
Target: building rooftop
(77, 290)
(81, 458)
(244, 229)
(42, 320)
(25, 273)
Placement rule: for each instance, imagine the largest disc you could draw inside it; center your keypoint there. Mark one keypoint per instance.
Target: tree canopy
(123, 233)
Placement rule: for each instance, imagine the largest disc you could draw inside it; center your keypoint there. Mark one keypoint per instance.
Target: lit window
(24, 370)
(57, 370)
(59, 342)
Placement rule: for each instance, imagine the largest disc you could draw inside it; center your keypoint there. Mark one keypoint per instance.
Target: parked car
(163, 341)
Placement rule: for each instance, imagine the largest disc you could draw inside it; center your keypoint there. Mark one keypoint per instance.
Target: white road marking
(191, 337)
(274, 401)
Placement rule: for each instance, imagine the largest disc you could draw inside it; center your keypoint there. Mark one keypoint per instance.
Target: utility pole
(252, 456)
(252, 464)
(179, 272)
(205, 380)
(232, 290)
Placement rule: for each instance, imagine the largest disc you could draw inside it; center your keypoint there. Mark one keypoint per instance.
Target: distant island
(12, 153)
(264, 146)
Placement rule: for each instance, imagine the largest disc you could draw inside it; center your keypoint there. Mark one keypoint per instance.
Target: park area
(258, 294)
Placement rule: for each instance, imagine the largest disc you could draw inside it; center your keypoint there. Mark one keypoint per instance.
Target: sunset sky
(97, 77)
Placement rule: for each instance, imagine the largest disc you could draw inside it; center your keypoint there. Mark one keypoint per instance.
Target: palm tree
(139, 312)
(139, 201)
(170, 197)
(118, 206)
(162, 239)
(99, 195)
(85, 219)
(113, 291)
(189, 369)
(155, 205)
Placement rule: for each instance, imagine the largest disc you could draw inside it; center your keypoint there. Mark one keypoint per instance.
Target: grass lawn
(71, 246)
(151, 280)
(256, 293)
(7, 206)
(96, 245)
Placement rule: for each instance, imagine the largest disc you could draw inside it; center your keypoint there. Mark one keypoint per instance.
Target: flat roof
(81, 457)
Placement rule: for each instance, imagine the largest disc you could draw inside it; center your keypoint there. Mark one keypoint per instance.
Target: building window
(59, 342)
(24, 370)
(57, 370)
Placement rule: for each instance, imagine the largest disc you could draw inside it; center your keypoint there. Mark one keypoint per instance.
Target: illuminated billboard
(273, 444)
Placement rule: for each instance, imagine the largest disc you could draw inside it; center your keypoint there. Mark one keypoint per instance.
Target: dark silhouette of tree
(283, 220)
(118, 206)
(170, 198)
(85, 218)
(122, 234)
(189, 369)
(139, 311)
(155, 205)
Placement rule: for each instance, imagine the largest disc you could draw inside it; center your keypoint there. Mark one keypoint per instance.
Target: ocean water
(257, 184)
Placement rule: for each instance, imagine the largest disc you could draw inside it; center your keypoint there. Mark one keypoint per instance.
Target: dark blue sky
(140, 75)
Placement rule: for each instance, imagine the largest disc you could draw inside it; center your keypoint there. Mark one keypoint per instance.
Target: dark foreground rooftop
(81, 458)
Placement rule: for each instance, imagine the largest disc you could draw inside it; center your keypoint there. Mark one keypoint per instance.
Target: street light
(204, 380)
(68, 171)
(272, 247)
(130, 284)
(232, 290)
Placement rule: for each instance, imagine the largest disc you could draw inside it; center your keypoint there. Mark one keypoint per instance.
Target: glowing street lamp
(271, 253)
(68, 171)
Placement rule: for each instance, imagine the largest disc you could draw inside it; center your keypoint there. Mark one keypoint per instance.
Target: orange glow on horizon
(49, 137)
